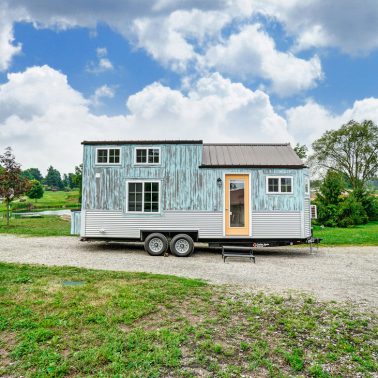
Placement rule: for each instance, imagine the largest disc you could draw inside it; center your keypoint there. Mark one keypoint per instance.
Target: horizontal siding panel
(118, 224)
(271, 225)
(307, 217)
(265, 225)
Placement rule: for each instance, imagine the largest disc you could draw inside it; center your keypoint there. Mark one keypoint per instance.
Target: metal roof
(250, 155)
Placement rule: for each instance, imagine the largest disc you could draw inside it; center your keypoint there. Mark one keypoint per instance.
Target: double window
(108, 156)
(279, 185)
(143, 196)
(147, 155)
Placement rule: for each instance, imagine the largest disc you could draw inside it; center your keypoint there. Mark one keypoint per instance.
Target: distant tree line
(348, 159)
(53, 179)
(15, 182)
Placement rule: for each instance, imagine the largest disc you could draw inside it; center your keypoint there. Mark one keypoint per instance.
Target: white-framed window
(279, 185)
(307, 186)
(108, 155)
(147, 155)
(143, 196)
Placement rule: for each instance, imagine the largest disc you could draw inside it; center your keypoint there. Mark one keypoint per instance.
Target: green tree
(12, 184)
(351, 150)
(32, 174)
(36, 190)
(351, 212)
(329, 198)
(301, 151)
(331, 188)
(53, 178)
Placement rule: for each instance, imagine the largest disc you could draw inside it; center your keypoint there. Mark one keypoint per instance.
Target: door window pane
(237, 203)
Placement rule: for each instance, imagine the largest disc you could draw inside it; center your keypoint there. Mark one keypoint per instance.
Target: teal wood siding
(184, 186)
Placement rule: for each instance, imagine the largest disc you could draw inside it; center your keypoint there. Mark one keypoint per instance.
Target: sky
(217, 70)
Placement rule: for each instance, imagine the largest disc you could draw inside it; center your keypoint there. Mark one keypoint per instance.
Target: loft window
(279, 185)
(147, 155)
(143, 197)
(108, 156)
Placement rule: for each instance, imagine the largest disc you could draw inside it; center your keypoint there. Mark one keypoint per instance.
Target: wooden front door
(237, 216)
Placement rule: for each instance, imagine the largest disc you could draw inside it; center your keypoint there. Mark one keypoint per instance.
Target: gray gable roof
(250, 155)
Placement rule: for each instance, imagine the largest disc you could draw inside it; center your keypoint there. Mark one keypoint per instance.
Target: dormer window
(147, 155)
(108, 156)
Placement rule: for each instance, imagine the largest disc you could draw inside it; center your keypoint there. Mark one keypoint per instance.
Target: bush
(327, 214)
(370, 204)
(351, 213)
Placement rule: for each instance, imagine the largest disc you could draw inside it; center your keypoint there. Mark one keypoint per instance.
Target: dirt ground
(337, 273)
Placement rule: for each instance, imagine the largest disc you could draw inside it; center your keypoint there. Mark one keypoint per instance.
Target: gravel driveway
(342, 273)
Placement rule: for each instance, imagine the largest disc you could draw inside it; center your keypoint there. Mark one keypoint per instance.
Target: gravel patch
(337, 273)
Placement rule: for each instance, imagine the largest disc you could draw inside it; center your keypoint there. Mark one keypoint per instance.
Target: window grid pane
(114, 154)
(153, 156)
(143, 197)
(102, 156)
(151, 197)
(273, 185)
(286, 186)
(135, 196)
(141, 155)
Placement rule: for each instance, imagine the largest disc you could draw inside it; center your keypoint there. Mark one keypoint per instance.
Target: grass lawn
(141, 325)
(359, 235)
(45, 226)
(50, 200)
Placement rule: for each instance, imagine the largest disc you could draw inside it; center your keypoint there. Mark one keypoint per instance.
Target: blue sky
(219, 71)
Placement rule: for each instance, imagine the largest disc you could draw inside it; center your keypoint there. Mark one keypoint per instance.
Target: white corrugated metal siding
(270, 225)
(117, 224)
(307, 217)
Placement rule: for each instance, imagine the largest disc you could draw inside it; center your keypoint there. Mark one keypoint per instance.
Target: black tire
(156, 244)
(182, 245)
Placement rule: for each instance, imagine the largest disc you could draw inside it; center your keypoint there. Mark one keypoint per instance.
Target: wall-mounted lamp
(219, 182)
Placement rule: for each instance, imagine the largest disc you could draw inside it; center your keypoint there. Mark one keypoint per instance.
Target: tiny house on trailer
(169, 194)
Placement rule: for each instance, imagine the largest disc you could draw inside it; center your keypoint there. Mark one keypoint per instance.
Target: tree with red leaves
(12, 183)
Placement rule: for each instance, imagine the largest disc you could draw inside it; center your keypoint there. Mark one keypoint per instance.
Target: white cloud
(187, 35)
(7, 47)
(101, 52)
(50, 119)
(44, 119)
(252, 53)
(351, 26)
(309, 121)
(103, 63)
(102, 92)
(178, 34)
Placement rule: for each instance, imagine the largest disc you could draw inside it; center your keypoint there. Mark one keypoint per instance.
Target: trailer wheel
(156, 244)
(182, 245)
